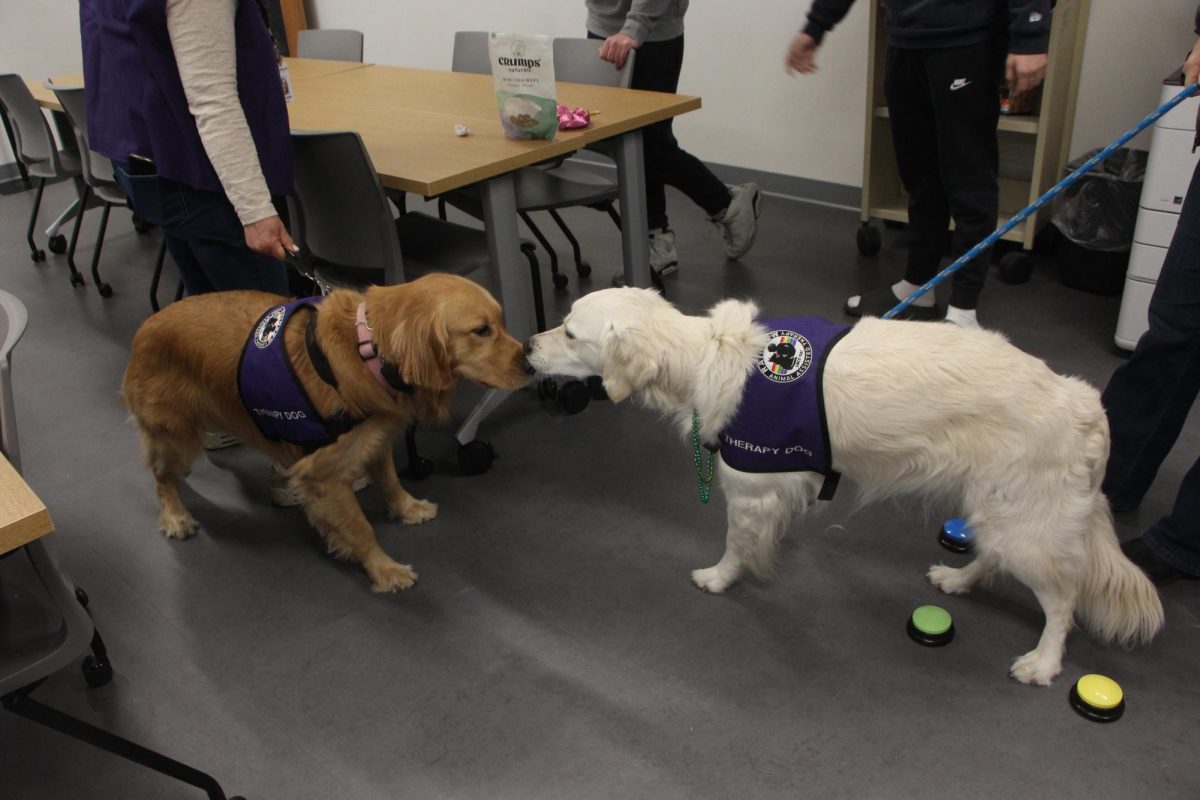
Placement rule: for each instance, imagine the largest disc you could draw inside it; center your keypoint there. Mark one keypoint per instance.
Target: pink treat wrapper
(569, 118)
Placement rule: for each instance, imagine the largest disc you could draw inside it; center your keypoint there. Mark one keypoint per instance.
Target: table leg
(631, 181)
(510, 273)
(511, 280)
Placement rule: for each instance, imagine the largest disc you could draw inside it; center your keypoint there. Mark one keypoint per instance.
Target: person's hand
(1191, 67)
(802, 54)
(616, 49)
(1023, 72)
(270, 237)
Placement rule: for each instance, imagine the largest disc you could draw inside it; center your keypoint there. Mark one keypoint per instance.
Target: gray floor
(554, 646)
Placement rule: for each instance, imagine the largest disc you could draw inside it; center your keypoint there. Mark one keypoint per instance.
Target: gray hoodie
(644, 20)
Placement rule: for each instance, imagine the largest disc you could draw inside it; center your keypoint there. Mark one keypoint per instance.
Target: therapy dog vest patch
(780, 424)
(272, 394)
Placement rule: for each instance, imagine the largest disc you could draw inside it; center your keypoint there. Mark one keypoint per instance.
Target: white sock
(903, 289)
(962, 317)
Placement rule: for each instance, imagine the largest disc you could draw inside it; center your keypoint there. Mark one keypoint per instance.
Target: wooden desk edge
(23, 516)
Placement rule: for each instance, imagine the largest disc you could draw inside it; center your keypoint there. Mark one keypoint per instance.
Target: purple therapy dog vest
(780, 424)
(272, 394)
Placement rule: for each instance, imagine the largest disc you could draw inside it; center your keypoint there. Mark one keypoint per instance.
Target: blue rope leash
(1045, 198)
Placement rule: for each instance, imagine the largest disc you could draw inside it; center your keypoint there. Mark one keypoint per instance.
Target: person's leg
(914, 141)
(1148, 398)
(964, 91)
(656, 68)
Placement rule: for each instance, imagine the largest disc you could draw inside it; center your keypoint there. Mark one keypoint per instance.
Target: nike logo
(959, 83)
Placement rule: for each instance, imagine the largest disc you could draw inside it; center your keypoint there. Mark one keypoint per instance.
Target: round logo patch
(268, 328)
(786, 357)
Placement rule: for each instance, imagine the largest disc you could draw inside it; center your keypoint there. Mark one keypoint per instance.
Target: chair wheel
(583, 269)
(869, 240)
(574, 396)
(96, 671)
(77, 280)
(105, 290)
(560, 280)
(475, 458)
(419, 468)
(57, 244)
(37, 256)
(1016, 267)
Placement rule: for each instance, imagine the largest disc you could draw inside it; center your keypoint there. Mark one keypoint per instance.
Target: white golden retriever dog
(919, 408)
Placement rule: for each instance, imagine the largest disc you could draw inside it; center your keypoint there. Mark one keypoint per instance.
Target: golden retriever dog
(916, 408)
(183, 379)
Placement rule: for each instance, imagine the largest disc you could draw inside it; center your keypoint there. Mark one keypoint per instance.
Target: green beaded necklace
(703, 480)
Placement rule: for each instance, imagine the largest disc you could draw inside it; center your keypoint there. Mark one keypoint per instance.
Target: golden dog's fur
(182, 381)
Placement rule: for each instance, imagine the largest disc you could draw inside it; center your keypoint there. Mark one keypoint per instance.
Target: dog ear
(627, 366)
(419, 347)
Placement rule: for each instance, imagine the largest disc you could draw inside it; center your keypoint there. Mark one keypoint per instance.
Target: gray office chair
(98, 181)
(559, 183)
(330, 44)
(44, 624)
(348, 233)
(38, 154)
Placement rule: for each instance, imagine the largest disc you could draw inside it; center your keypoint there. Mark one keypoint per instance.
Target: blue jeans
(204, 235)
(1148, 398)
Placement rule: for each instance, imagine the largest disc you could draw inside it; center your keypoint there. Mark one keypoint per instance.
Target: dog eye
(482, 330)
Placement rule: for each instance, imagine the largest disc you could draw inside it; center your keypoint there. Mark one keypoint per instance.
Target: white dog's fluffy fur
(913, 408)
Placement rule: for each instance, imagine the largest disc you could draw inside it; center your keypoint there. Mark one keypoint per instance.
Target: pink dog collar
(368, 351)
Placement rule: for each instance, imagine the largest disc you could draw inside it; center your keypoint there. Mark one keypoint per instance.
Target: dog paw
(391, 577)
(178, 526)
(414, 512)
(948, 579)
(1035, 670)
(712, 580)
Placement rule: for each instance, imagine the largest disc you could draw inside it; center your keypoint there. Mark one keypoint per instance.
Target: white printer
(1168, 173)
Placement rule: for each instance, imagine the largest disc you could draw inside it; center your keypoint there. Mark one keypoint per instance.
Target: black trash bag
(1099, 210)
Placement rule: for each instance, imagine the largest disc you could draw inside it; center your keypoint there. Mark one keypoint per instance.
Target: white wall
(38, 39)
(754, 115)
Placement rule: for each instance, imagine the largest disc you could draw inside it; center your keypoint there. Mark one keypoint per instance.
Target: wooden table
(23, 517)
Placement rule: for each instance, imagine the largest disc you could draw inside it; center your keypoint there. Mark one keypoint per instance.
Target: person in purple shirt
(185, 97)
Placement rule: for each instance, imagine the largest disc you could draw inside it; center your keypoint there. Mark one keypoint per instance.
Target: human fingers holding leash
(270, 237)
(1191, 67)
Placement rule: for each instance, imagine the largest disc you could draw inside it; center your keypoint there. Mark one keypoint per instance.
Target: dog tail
(1118, 603)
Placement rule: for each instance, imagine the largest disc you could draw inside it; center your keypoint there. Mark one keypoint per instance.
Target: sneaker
(664, 259)
(219, 440)
(284, 495)
(878, 302)
(739, 221)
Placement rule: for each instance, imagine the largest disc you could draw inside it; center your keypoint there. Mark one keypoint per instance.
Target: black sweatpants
(944, 105)
(656, 69)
